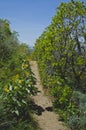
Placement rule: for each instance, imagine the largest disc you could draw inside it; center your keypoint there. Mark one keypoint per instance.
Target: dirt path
(45, 116)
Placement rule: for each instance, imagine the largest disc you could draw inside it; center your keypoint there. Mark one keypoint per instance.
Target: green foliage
(61, 49)
(17, 82)
(78, 119)
(62, 95)
(61, 55)
(19, 88)
(25, 126)
(15, 99)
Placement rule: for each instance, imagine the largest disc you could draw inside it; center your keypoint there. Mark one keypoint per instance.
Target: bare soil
(46, 117)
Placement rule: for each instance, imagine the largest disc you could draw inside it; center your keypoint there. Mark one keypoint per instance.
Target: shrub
(78, 119)
(62, 95)
(15, 99)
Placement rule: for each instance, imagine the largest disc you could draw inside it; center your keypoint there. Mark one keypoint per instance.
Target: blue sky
(29, 17)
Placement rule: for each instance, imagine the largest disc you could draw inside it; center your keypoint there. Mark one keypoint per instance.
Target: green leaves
(17, 82)
(20, 87)
(62, 96)
(61, 55)
(60, 48)
(79, 116)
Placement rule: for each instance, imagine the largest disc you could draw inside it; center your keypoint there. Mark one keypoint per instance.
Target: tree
(8, 42)
(61, 49)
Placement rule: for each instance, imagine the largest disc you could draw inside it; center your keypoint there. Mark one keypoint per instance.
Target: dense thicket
(61, 55)
(16, 82)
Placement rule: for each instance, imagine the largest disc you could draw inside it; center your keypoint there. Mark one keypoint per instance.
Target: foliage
(16, 99)
(78, 119)
(62, 95)
(61, 49)
(17, 91)
(25, 126)
(17, 82)
(61, 55)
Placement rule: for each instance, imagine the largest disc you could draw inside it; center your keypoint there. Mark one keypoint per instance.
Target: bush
(78, 119)
(19, 88)
(15, 99)
(62, 94)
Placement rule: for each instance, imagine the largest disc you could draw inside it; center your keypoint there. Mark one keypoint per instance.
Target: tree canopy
(61, 49)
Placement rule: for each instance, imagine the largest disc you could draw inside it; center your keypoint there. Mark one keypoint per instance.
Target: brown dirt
(47, 119)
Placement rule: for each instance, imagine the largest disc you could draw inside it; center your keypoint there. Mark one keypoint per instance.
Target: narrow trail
(45, 116)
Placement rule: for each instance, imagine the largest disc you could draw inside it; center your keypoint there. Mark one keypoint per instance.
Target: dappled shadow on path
(50, 108)
(37, 109)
